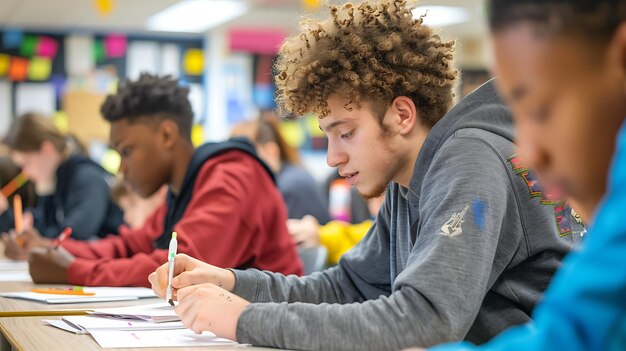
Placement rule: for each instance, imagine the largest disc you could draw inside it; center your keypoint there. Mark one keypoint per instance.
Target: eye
(347, 135)
(125, 151)
(540, 115)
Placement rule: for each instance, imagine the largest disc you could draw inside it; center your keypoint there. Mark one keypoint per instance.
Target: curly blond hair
(368, 52)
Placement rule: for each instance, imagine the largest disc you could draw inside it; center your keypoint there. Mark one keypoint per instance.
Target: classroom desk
(15, 305)
(31, 334)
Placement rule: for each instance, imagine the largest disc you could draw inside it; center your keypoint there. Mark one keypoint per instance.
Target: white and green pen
(170, 274)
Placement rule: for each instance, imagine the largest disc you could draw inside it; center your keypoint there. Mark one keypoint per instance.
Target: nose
(531, 152)
(122, 169)
(334, 155)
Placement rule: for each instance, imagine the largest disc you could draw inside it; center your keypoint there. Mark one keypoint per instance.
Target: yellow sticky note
(39, 68)
(313, 126)
(193, 62)
(311, 4)
(197, 135)
(111, 161)
(293, 133)
(60, 120)
(4, 64)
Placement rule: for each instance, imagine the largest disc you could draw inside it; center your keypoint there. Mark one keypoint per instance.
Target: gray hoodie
(463, 253)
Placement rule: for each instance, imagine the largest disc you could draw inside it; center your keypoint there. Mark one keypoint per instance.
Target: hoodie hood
(482, 109)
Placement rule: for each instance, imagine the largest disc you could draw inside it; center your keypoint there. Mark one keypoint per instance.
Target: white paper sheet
(87, 324)
(8, 276)
(10, 265)
(79, 59)
(102, 294)
(5, 107)
(35, 97)
(158, 312)
(157, 338)
(142, 56)
(170, 60)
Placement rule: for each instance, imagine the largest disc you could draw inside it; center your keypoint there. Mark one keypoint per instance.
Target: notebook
(158, 338)
(101, 294)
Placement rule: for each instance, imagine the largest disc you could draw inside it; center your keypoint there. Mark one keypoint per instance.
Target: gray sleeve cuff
(247, 283)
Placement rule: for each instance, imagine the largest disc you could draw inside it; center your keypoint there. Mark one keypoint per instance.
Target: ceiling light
(440, 16)
(196, 16)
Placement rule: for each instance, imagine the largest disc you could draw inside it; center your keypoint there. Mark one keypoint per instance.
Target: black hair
(150, 97)
(596, 19)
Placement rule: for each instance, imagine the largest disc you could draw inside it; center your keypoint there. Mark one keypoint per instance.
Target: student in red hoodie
(222, 200)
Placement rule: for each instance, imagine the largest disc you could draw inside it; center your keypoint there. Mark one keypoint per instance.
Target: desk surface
(30, 333)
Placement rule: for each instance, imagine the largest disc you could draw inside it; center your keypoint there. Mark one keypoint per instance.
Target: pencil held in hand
(17, 214)
(170, 274)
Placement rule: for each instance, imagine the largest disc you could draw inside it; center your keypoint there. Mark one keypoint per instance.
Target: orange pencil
(58, 291)
(64, 235)
(14, 184)
(17, 213)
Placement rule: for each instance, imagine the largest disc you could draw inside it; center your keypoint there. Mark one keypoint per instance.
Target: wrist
(227, 280)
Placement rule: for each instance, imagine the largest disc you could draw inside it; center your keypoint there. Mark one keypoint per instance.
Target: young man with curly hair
(151, 129)
(465, 241)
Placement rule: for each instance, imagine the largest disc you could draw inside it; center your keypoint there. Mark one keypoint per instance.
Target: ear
(168, 133)
(405, 113)
(47, 148)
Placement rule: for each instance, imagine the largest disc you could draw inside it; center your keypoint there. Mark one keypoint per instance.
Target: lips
(350, 177)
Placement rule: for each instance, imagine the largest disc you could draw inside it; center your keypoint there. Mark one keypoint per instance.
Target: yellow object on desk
(69, 291)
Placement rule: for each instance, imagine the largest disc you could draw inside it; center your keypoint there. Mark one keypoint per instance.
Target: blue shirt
(585, 306)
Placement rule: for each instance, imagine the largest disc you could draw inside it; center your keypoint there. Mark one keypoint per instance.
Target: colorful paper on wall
(29, 46)
(143, 56)
(12, 38)
(6, 104)
(115, 45)
(39, 68)
(293, 133)
(193, 62)
(5, 61)
(35, 97)
(47, 47)
(98, 51)
(18, 69)
(78, 55)
(170, 60)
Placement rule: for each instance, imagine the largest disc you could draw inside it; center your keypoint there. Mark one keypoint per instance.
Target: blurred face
(366, 156)
(568, 99)
(38, 166)
(145, 161)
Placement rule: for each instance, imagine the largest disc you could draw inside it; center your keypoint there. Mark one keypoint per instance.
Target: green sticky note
(29, 45)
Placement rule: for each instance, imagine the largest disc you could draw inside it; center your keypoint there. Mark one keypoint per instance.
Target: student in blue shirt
(562, 67)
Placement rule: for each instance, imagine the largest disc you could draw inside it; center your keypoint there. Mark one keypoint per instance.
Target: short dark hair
(597, 19)
(150, 96)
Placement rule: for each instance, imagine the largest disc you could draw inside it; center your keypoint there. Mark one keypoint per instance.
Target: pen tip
(171, 302)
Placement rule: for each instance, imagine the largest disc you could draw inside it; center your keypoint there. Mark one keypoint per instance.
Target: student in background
(221, 199)
(562, 67)
(465, 241)
(136, 208)
(73, 191)
(298, 188)
(336, 236)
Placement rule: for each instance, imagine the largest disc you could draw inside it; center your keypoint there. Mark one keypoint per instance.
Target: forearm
(402, 320)
(262, 286)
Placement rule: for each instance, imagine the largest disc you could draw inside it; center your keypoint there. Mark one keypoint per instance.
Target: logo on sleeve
(453, 226)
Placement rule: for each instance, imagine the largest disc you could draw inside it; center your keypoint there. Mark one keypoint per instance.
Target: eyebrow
(332, 125)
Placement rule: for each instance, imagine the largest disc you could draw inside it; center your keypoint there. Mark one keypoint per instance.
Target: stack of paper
(156, 313)
(158, 338)
(103, 294)
(153, 325)
(89, 324)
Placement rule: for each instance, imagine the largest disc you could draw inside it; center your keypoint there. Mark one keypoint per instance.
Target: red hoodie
(235, 219)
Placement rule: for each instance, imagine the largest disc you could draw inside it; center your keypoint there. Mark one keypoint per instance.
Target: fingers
(28, 221)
